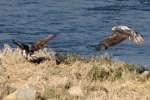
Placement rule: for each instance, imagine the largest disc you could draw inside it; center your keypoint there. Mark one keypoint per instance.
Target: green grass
(49, 93)
(98, 73)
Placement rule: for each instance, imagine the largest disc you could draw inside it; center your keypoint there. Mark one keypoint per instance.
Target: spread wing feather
(42, 41)
(21, 45)
(114, 39)
(119, 34)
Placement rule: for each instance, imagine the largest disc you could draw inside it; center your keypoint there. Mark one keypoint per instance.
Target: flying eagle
(119, 34)
(29, 49)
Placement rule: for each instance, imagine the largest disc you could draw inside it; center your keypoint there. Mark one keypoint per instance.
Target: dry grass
(76, 78)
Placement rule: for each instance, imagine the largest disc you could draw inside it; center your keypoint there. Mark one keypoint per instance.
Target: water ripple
(77, 23)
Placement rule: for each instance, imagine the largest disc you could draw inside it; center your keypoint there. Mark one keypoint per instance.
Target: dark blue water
(77, 24)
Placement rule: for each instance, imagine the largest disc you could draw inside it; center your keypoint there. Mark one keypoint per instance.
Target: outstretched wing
(21, 45)
(42, 41)
(114, 39)
(137, 38)
(131, 34)
(119, 34)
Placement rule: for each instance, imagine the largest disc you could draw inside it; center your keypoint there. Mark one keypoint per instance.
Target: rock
(27, 92)
(146, 74)
(75, 91)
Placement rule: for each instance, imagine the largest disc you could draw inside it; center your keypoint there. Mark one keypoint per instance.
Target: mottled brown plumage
(119, 34)
(42, 41)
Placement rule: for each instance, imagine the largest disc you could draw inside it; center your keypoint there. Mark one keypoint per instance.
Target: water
(77, 24)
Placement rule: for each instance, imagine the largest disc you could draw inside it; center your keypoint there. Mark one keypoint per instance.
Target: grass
(98, 73)
(49, 93)
(114, 72)
(75, 77)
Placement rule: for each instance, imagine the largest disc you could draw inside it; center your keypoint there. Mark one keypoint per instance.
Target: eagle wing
(131, 34)
(21, 45)
(119, 34)
(136, 38)
(42, 41)
(113, 39)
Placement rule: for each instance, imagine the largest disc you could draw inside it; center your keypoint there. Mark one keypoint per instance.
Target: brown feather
(42, 41)
(132, 35)
(112, 40)
(119, 34)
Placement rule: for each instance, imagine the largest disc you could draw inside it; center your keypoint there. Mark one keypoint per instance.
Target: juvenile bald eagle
(119, 34)
(29, 49)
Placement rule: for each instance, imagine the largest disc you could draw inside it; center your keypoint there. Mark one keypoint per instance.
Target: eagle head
(132, 35)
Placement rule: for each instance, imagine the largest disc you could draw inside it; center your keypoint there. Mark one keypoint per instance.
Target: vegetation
(75, 77)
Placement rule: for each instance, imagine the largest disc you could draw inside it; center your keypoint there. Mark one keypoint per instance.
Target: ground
(75, 78)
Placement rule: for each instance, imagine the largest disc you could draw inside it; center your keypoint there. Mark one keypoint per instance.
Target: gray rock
(27, 92)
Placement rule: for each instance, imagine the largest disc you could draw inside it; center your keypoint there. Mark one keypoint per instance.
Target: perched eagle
(119, 34)
(29, 49)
